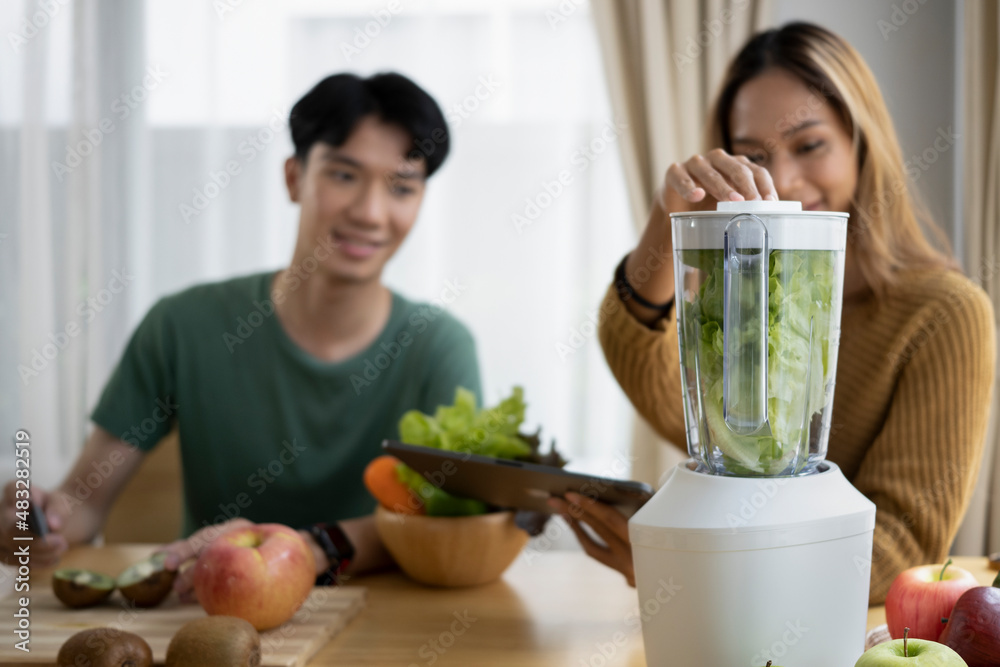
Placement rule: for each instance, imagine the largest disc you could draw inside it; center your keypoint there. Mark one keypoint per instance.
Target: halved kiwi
(81, 588)
(147, 583)
(215, 641)
(105, 647)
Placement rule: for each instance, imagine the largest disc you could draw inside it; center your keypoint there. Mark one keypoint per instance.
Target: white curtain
(663, 60)
(980, 531)
(73, 185)
(162, 95)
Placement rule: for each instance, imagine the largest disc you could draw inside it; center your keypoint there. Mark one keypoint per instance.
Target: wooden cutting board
(325, 613)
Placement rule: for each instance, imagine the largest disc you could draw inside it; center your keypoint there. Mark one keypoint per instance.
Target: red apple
(921, 596)
(262, 573)
(973, 628)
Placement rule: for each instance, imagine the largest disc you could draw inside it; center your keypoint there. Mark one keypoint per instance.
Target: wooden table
(553, 608)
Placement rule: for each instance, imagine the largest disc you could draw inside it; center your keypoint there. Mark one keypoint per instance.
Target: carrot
(383, 483)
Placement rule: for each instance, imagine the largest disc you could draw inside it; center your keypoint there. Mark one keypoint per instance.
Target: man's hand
(74, 516)
(369, 554)
(44, 552)
(180, 552)
(609, 524)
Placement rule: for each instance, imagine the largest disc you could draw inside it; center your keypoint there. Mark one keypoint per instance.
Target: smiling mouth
(813, 206)
(356, 248)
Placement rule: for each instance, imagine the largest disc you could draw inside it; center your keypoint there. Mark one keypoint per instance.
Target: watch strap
(337, 547)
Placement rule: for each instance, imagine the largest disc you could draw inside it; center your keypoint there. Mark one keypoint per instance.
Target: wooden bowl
(451, 551)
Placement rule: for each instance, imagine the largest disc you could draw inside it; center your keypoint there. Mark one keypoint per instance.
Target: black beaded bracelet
(626, 291)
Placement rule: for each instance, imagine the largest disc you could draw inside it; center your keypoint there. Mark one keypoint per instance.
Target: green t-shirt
(267, 431)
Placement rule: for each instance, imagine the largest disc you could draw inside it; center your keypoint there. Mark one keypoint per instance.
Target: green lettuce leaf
(460, 427)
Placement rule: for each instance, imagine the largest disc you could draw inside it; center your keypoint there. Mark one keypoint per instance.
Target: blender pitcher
(756, 548)
(759, 290)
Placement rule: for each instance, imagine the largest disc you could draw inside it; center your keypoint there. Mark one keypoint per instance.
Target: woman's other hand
(609, 524)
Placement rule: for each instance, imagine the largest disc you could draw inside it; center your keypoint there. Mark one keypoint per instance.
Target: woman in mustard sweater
(800, 117)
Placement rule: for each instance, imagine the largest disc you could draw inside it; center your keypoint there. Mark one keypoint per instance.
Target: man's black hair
(332, 109)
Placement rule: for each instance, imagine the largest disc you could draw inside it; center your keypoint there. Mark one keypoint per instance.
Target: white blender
(763, 547)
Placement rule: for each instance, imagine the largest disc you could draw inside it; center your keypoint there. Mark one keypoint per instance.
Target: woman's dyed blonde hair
(884, 232)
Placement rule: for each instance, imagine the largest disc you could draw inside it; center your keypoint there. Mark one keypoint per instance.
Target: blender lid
(699, 511)
(759, 207)
(788, 226)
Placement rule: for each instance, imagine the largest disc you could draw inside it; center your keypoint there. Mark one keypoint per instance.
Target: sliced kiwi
(105, 647)
(81, 588)
(147, 583)
(215, 641)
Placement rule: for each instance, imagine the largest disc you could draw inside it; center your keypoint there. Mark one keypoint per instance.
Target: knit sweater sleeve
(646, 363)
(921, 469)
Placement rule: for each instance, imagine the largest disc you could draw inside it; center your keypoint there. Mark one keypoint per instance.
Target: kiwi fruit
(81, 588)
(105, 647)
(147, 583)
(215, 641)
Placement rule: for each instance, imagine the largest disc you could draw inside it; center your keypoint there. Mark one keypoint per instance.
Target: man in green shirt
(283, 384)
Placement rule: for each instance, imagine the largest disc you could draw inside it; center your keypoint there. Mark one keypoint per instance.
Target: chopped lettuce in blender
(800, 292)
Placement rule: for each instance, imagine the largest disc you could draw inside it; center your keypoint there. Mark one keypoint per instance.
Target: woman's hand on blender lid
(721, 177)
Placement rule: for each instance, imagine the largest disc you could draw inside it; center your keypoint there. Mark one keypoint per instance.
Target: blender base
(738, 571)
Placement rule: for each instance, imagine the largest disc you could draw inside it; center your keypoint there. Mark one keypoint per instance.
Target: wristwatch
(338, 549)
